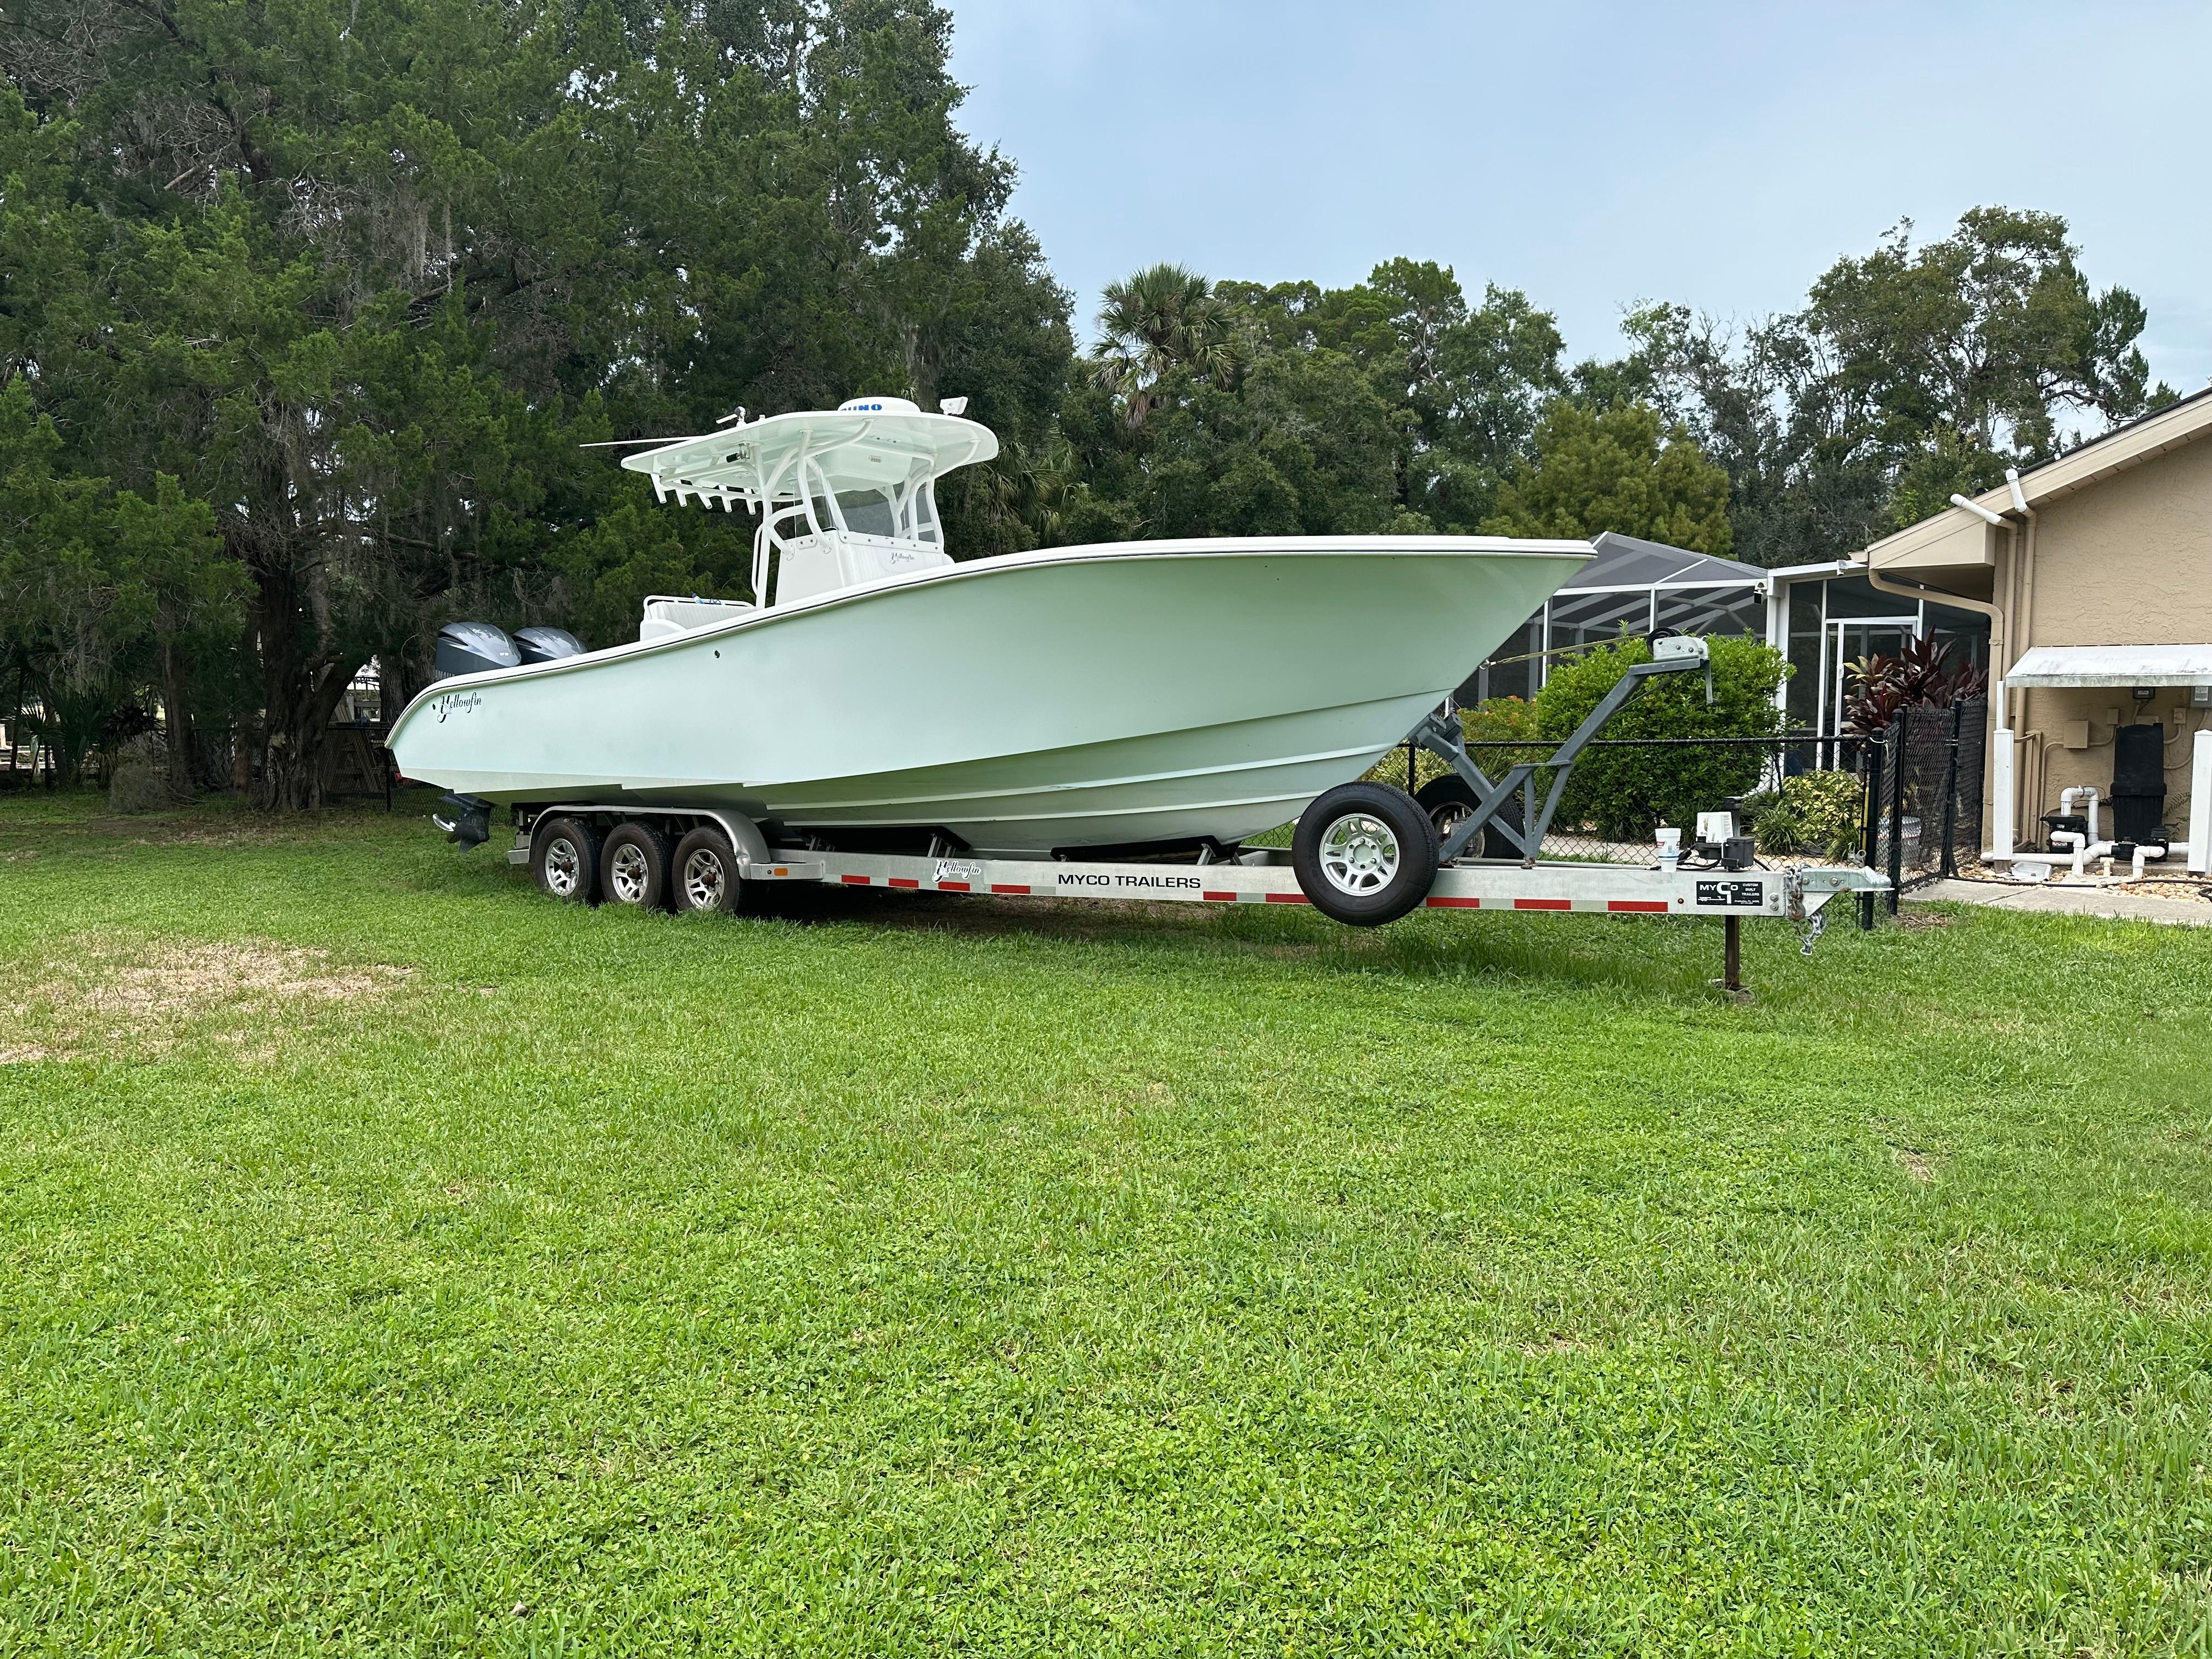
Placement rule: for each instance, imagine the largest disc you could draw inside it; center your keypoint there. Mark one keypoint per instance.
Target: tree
(1807, 475)
(1157, 323)
(1463, 386)
(1970, 349)
(1910, 373)
(362, 276)
(1617, 469)
(98, 586)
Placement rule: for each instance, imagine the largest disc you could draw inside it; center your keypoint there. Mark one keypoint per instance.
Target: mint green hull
(1083, 697)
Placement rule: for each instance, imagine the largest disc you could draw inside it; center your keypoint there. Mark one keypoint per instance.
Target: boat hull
(1086, 697)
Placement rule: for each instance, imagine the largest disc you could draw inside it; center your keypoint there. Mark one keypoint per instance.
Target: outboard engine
(467, 647)
(547, 644)
(466, 820)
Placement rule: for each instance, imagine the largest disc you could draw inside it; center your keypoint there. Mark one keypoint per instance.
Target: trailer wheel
(704, 875)
(633, 866)
(1364, 853)
(564, 857)
(1448, 800)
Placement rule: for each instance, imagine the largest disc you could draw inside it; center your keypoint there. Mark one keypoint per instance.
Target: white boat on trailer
(1125, 695)
(1090, 722)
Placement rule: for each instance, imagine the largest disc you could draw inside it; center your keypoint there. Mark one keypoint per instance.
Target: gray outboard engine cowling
(470, 648)
(547, 644)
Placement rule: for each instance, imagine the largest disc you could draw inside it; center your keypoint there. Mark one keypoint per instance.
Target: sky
(1592, 154)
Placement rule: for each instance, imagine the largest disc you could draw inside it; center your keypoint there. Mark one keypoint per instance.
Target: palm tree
(1155, 323)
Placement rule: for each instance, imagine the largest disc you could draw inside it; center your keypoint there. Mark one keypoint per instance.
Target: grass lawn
(397, 1262)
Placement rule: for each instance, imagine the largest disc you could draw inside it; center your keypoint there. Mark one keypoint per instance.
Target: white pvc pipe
(2086, 791)
(2084, 848)
(2143, 853)
(2001, 792)
(2200, 805)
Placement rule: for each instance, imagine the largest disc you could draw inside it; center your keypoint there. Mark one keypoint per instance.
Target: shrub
(1819, 813)
(1919, 677)
(1502, 719)
(1627, 792)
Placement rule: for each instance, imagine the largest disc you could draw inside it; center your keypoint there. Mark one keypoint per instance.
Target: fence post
(1870, 756)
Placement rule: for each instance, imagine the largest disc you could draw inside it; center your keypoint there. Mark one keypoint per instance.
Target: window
(868, 512)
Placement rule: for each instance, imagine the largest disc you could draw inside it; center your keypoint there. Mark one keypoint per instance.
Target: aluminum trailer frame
(1794, 893)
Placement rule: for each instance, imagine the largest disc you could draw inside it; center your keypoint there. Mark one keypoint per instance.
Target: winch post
(1441, 734)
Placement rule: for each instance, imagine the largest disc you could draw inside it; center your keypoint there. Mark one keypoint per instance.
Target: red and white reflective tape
(1232, 896)
(1642, 907)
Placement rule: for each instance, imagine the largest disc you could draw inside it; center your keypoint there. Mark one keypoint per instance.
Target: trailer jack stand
(1731, 979)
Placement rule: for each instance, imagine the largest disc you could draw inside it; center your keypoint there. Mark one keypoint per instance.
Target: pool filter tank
(2138, 796)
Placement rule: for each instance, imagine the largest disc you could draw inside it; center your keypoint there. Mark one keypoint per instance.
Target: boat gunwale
(1041, 558)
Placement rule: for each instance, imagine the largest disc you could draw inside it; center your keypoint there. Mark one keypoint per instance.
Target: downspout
(2027, 561)
(2025, 624)
(1882, 584)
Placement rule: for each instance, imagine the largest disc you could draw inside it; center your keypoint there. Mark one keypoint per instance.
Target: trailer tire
(1364, 853)
(1447, 801)
(704, 874)
(564, 858)
(633, 866)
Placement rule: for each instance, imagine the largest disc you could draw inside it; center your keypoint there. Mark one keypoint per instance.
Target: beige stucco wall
(2127, 560)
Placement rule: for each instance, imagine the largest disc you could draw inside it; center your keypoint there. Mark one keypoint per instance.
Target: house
(2092, 573)
(1632, 586)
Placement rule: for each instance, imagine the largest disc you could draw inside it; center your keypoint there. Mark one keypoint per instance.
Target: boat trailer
(1366, 854)
(1793, 893)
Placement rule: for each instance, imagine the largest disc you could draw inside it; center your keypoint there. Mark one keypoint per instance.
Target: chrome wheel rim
(628, 873)
(704, 880)
(1359, 856)
(564, 868)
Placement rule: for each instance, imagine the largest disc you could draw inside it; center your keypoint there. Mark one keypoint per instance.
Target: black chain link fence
(1924, 782)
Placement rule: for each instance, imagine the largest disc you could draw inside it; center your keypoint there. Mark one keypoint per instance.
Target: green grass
(921, 1275)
